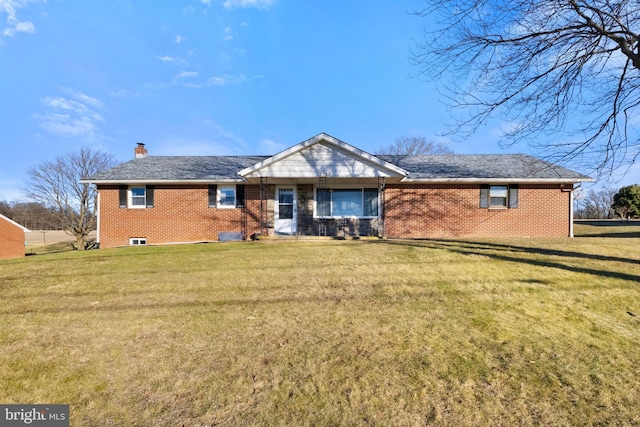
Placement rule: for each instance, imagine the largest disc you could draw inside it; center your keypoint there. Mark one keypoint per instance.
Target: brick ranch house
(11, 238)
(326, 187)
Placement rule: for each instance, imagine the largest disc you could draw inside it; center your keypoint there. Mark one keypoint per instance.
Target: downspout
(571, 197)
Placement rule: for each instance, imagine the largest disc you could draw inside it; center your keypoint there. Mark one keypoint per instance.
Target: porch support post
(97, 208)
(263, 206)
(381, 206)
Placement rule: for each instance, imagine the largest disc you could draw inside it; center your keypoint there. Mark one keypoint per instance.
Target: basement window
(138, 241)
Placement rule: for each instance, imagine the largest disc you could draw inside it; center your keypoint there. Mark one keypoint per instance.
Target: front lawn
(488, 332)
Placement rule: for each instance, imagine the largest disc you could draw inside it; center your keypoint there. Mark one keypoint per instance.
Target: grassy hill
(490, 332)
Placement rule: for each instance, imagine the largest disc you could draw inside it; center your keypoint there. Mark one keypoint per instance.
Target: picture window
(346, 202)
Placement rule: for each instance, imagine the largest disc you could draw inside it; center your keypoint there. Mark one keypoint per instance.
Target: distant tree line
(33, 215)
(606, 203)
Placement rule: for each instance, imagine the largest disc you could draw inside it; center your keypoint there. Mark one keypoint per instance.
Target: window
(137, 197)
(285, 203)
(341, 202)
(138, 241)
(499, 196)
(227, 197)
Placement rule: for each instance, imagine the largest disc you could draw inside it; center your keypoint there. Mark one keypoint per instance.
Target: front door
(286, 210)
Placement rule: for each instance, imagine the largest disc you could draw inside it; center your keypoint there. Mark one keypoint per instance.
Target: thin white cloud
(187, 74)
(228, 32)
(213, 139)
(166, 58)
(218, 81)
(13, 23)
(208, 138)
(180, 39)
(18, 27)
(223, 80)
(72, 117)
(83, 97)
(122, 93)
(271, 146)
(186, 147)
(259, 4)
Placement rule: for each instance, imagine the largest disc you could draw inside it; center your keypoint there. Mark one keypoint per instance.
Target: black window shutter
(122, 195)
(513, 196)
(239, 196)
(149, 196)
(484, 196)
(213, 195)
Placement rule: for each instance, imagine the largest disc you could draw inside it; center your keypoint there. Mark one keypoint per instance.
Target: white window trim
(343, 187)
(130, 197)
(219, 197)
(139, 241)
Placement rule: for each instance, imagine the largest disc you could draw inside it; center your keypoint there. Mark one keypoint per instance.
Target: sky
(212, 77)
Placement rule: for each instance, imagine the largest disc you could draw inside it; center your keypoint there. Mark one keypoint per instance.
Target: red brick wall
(11, 240)
(449, 211)
(181, 213)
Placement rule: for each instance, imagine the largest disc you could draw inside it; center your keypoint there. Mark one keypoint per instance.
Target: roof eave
(162, 181)
(500, 180)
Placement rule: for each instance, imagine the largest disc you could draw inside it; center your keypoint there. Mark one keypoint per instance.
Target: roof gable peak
(331, 143)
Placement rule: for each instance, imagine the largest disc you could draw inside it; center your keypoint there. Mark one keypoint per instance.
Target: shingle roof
(178, 168)
(484, 166)
(454, 167)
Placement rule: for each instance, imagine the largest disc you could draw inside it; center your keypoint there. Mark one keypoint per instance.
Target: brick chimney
(141, 152)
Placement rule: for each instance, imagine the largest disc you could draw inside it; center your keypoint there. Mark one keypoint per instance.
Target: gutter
(160, 181)
(497, 180)
(404, 180)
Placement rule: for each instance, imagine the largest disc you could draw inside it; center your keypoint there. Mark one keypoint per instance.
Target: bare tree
(56, 185)
(597, 204)
(414, 145)
(564, 74)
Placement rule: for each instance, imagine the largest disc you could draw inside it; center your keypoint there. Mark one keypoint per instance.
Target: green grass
(51, 248)
(488, 332)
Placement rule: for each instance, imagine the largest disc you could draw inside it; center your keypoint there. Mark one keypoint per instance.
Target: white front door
(286, 210)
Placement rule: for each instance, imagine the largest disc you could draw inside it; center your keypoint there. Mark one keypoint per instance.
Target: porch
(297, 209)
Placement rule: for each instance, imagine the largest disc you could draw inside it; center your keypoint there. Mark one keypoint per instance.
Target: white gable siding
(320, 159)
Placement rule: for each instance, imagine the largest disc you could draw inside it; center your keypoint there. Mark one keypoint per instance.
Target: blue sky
(210, 77)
